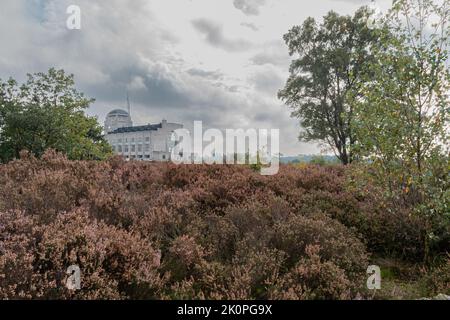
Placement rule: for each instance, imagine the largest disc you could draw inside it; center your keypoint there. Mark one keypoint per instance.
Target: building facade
(150, 142)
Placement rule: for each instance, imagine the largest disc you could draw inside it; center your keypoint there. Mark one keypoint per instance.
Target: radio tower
(128, 105)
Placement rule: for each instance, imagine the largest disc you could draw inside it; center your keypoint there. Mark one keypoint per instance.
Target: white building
(150, 142)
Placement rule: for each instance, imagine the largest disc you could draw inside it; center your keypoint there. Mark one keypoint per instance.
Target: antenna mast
(128, 105)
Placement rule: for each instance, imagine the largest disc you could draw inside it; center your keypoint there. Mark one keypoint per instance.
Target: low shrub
(158, 231)
(115, 263)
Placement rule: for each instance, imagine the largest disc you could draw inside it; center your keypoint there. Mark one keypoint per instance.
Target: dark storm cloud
(360, 2)
(251, 26)
(274, 53)
(277, 59)
(213, 33)
(356, 1)
(215, 75)
(262, 117)
(249, 7)
(161, 91)
(267, 80)
(158, 88)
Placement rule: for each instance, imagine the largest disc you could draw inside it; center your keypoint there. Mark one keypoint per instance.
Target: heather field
(160, 231)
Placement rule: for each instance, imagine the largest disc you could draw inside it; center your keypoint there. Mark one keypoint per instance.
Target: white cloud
(179, 60)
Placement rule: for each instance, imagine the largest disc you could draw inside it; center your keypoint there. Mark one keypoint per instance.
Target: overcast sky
(219, 61)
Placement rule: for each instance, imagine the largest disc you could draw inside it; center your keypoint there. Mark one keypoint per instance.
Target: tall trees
(330, 63)
(48, 112)
(402, 117)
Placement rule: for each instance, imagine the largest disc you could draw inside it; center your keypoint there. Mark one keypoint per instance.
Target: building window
(147, 156)
(132, 139)
(147, 139)
(125, 148)
(139, 147)
(147, 148)
(119, 140)
(133, 148)
(119, 148)
(164, 157)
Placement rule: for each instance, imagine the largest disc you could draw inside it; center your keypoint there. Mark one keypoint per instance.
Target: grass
(401, 281)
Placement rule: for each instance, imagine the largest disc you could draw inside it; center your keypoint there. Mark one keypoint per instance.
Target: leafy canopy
(402, 118)
(48, 112)
(331, 58)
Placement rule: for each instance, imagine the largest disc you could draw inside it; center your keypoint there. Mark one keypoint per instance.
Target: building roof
(118, 112)
(148, 127)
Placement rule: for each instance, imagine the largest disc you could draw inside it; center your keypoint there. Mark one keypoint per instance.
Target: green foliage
(438, 280)
(331, 59)
(318, 160)
(402, 117)
(48, 112)
(401, 120)
(322, 161)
